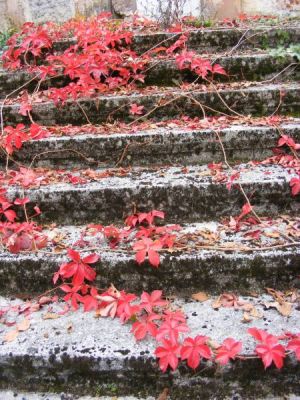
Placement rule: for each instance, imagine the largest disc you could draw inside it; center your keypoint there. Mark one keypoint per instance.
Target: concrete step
(185, 194)
(161, 72)
(215, 39)
(211, 257)
(101, 356)
(246, 98)
(157, 146)
(15, 395)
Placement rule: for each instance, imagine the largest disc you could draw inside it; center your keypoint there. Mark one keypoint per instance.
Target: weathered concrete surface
(157, 147)
(251, 67)
(255, 67)
(15, 395)
(217, 39)
(101, 356)
(258, 100)
(185, 196)
(208, 270)
(10, 395)
(20, 11)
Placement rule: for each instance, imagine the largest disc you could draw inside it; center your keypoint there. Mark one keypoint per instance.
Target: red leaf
(136, 110)
(294, 345)
(217, 69)
(150, 301)
(144, 326)
(193, 349)
(295, 185)
(270, 351)
(168, 355)
(228, 351)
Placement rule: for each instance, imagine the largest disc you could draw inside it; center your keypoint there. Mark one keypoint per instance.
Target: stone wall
(20, 11)
(4, 22)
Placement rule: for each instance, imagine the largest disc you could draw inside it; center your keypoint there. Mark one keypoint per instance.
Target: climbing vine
(102, 60)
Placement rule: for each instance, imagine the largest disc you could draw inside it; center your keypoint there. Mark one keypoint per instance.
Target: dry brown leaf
(24, 325)
(255, 313)
(276, 294)
(208, 235)
(217, 303)
(246, 318)
(284, 309)
(11, 336)
(273, 234)
(247, 307)
(51, 316)
(200, 296)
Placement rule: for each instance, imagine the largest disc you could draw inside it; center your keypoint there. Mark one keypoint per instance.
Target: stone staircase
(163, 167)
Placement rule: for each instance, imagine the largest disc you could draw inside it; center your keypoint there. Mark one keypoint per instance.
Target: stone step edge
(16, 395)
(200, 270)
(111, 197)
(165, 72)
(156, 146)
(96, 353)
(144, 42)
(254, 99)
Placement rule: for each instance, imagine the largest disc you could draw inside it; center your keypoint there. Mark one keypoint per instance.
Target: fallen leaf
(164, 394)
(24, 325)
(246, 318)
(200, 296)
(255, 313)
(284, 309)
(273, 234)
(51, 316)
(247, 307)
(11, 336)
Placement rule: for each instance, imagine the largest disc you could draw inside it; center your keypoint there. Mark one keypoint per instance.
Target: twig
(84, 113)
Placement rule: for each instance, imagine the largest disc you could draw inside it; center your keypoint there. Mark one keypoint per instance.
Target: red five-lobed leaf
(193, 349)
(228, 351)
(168, 355)
(269, 350)
(78, 269)
(145, 247)
(150, 301)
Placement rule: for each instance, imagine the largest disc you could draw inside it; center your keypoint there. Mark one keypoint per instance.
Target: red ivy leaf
(228, 351)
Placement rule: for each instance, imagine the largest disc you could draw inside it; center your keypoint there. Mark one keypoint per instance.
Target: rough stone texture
(91, 7)
(212, 271)
(251, 67)
(49, 10)
(186, 197)
(14, 395)
(216, 40)
(102, 355)
(159, 146)
(20, 11)
(10, 395)
(4, 21)
(258, 100)
(124, 8)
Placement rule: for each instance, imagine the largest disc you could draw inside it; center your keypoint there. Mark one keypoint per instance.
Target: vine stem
(244, 193)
